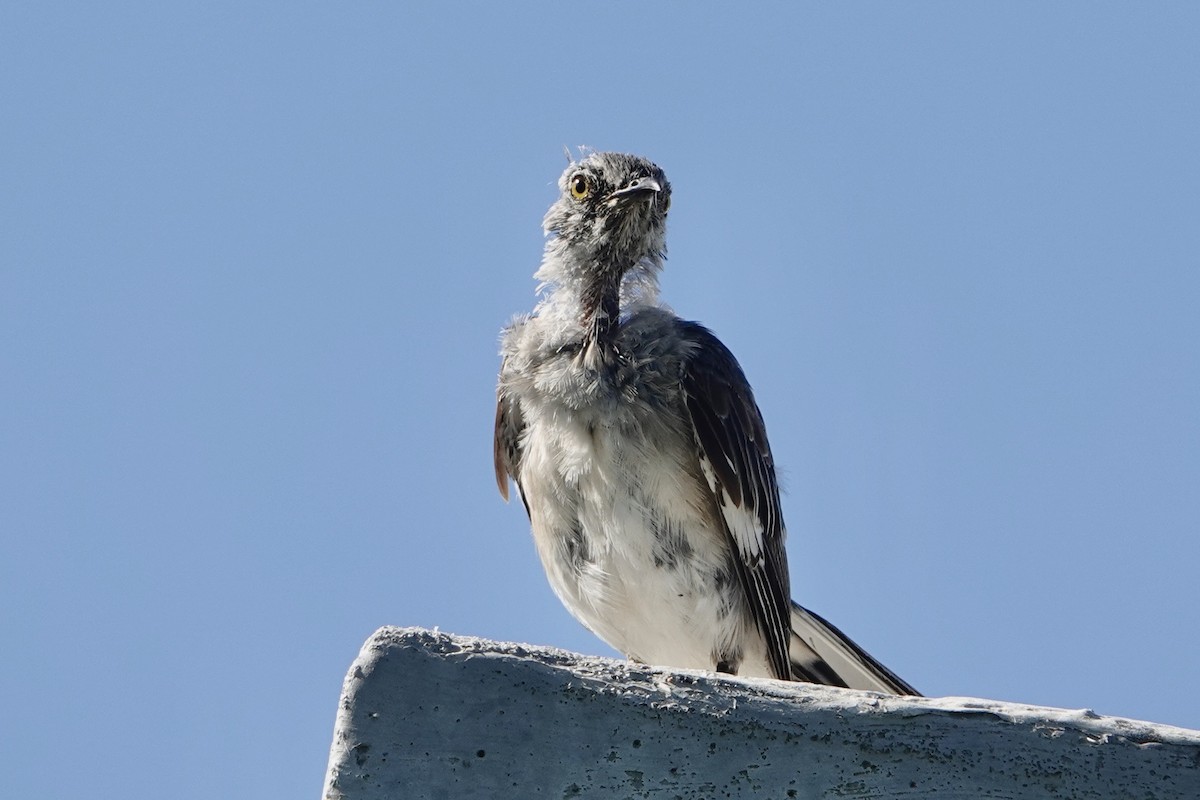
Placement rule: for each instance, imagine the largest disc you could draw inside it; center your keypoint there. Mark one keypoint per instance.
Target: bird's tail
(820, 653)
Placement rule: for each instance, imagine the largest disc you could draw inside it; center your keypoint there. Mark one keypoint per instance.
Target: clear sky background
(254, 262)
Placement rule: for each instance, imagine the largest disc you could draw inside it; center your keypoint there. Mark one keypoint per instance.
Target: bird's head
(611, 214)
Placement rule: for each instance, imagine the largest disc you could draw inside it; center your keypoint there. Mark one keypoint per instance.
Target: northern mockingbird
(641, 456)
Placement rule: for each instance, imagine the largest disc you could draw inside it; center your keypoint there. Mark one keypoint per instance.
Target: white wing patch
(743, 524)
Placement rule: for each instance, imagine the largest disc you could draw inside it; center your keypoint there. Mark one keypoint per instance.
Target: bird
(641, 456)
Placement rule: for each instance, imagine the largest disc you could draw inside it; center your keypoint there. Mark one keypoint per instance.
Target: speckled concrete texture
(425, 714)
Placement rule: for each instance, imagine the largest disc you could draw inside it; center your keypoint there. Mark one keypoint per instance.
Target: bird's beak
(639, 189)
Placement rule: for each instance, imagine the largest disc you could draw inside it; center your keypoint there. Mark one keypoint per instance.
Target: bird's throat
(600, 309)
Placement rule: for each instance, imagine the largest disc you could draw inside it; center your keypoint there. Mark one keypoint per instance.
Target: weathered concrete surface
(424, 714)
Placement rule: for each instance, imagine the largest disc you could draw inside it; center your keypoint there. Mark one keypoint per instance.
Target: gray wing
(736, 460)
(506, 448)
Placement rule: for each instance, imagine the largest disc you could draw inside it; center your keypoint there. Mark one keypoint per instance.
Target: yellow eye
(579, 186)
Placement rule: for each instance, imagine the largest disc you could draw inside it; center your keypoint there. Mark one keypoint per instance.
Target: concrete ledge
(425, 714)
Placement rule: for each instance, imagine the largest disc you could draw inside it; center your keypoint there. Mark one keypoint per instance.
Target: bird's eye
(580, 188)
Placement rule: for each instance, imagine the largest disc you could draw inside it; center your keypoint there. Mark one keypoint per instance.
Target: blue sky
(254, 262)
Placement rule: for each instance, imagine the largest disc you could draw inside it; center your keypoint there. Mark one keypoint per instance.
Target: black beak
(638, 189)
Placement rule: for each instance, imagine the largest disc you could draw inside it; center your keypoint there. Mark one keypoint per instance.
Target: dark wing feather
(737, 461)
(506, 448)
